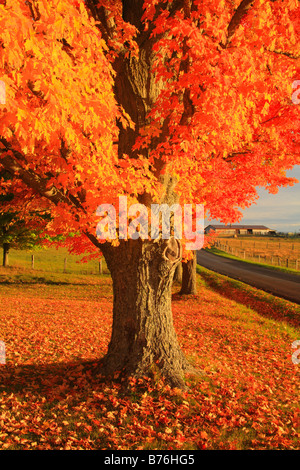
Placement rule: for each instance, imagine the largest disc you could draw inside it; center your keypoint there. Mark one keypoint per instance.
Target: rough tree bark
(143, 335)
(189, 277)
(178, 273)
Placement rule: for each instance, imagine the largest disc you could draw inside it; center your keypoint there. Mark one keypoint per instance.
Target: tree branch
(235, 21)
(11, 161)
(287, 54)
(35, 182)
(39, 185)
(100, 15)
(144, 36)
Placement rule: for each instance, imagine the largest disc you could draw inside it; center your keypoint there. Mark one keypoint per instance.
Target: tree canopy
(103, 97)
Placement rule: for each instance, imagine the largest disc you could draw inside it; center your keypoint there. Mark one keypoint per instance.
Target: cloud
(279, 211)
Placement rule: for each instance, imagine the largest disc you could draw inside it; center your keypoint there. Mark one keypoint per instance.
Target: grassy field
(273, 251)
(53, 260)
(52, 396)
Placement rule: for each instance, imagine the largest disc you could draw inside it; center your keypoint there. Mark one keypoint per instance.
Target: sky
(280, 212)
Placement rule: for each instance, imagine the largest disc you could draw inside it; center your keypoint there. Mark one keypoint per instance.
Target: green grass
(218, 252)
(281, 317)
(52, 260)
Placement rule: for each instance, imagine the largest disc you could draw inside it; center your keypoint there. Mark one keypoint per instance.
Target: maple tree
(160, 100)
(16, 231)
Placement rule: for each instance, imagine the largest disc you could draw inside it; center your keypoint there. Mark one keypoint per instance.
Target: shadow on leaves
(261, 302)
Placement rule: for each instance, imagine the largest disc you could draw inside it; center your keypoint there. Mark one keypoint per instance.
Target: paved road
(283, 285)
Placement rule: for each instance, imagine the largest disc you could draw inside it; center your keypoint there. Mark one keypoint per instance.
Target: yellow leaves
(273, 44)
(292, 4)
(34, 46)
(69, 100)
(38, 127)
(249, 104)
(21, 114)
(29, 44)
(184, 145)
(265, 109)
(268, 97)
(126, 120)
(60, 6)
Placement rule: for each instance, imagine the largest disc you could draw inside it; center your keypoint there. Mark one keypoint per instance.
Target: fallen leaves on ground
(53, 396)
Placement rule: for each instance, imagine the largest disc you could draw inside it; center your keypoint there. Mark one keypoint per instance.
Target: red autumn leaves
(54, 397)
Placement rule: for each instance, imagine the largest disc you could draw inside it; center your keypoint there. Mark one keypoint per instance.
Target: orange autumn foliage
(224, 121)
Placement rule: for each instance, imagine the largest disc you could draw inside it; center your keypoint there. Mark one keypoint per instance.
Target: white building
(239, 230)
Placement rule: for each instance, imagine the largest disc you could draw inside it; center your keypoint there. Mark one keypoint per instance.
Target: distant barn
(239, 230)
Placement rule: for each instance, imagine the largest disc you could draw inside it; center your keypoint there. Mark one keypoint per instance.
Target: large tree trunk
(143, 334)
(189, 276)
(6, 247)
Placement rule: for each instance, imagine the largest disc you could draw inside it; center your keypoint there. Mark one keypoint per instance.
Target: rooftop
(220, 226)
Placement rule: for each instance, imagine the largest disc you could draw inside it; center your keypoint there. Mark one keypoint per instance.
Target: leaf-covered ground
(53, 397)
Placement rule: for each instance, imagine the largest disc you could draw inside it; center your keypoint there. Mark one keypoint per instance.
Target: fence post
(65, 265)
(32, 261)
(100, 267)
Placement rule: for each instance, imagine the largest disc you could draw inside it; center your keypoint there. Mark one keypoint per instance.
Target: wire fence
(274, 254)
(56, 262)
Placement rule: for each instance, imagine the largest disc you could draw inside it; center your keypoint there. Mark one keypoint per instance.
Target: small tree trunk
(6, 247)
(189, 278)
(178, 273)
(143, 334)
